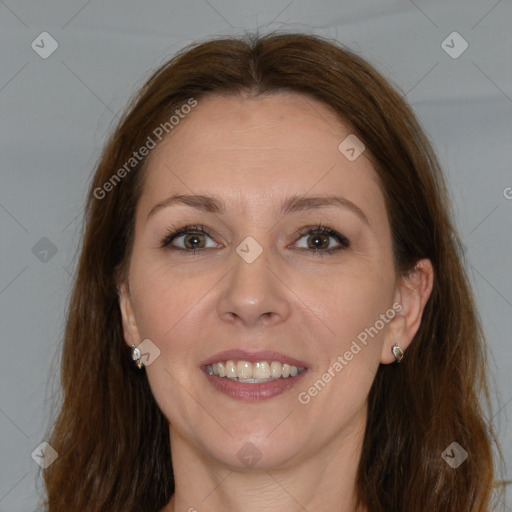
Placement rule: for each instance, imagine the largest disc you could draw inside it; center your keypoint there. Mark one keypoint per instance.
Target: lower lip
(252, 392)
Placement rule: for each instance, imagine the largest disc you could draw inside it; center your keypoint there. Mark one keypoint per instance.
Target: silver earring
(136, 355)
(398, 353)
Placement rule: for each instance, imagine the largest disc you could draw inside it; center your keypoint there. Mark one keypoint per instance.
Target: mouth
(257, 376)
(253, 373)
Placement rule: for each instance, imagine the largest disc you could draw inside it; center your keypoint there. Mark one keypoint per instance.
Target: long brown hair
(112, 439)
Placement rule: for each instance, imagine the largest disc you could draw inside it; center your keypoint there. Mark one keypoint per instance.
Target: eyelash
(199, 228)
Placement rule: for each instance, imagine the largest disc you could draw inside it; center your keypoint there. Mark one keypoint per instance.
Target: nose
(254, 294)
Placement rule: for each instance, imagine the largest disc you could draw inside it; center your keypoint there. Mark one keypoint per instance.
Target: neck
(325, 481)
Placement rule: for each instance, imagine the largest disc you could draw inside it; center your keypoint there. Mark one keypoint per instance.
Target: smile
(253, 373)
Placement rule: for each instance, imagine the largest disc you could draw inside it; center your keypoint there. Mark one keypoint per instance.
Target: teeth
(244, 370)
(261, 371)
(231, 370)
(221, 369)
(275, 369)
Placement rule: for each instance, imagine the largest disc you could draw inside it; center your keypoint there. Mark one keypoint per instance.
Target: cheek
(347, 303)
(155, 302)
(169, 309)
(162, 305)
(349, 344)
(173, 308)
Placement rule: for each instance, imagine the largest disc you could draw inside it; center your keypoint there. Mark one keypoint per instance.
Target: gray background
(56, 113)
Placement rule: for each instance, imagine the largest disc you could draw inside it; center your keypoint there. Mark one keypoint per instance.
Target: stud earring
(398, 353)
(136, 355)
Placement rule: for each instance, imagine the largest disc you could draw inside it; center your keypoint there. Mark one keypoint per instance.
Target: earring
(136, 357)
(398, 353)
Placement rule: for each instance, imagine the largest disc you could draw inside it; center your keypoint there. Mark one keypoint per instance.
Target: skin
(254, 153)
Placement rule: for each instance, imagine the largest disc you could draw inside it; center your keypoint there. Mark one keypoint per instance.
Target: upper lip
(253, 357)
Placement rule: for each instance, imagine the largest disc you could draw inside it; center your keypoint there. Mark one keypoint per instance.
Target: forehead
(256, 148)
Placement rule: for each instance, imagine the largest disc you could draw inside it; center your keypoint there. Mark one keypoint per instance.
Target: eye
(191, 239)
(318, 240)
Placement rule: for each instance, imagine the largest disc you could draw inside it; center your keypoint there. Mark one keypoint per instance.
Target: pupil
(194, 241)
(317, 241)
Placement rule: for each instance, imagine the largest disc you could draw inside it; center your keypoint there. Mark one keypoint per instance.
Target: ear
(412, 293)
(130, 329)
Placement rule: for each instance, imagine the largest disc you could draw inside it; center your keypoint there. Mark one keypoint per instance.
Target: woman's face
(261, 287)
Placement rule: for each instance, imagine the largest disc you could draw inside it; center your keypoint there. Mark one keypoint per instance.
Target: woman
(270, 312)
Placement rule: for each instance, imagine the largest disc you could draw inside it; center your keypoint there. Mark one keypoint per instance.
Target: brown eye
(319, 240)
(188, 238)
(193, 241)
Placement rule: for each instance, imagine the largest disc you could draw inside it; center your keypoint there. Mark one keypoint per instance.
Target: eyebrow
(295, 203)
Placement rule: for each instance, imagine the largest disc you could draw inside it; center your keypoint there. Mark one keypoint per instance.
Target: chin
(254, 453)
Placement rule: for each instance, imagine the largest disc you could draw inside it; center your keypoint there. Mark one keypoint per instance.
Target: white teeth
(260, 371)
(275, 369)
(231, 370)
(244, 370)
